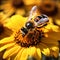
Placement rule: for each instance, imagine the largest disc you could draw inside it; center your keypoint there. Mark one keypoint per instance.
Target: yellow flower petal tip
(46, 52)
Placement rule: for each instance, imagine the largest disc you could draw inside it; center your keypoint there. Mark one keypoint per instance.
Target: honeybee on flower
(35, 20)
(30, 38)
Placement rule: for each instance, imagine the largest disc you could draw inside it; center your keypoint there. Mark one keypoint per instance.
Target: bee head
(28, 26)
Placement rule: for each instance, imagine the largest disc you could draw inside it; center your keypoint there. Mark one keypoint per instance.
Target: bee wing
(33, 13)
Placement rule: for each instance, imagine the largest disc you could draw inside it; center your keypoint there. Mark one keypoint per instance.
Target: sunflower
(3, 29)
(13, 7)
(35, 42)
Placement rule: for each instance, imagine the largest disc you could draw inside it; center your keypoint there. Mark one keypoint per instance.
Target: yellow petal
(49, 39)
(49, 42)
(46, 52)
(57, 21)
(7, 46)
(10, 51)
(53, 27)
(54, 35)
(44, 49)
(24, 55)
(31, 2)
(20, 11)
(6, 40)
(18, 56)
(16, 51)
(39, 53)
(55, 51)
(33, 52)
(16, 22)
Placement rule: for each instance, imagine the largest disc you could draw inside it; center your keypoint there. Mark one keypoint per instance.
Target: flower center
(33, 37)
(17, 3)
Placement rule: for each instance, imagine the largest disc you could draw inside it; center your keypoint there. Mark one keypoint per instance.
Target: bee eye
(29, 25)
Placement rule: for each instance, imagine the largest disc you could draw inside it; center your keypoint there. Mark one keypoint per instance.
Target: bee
(31, 34)
(34, 21)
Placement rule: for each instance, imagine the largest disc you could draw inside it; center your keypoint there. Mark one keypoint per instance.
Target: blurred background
(8, 8)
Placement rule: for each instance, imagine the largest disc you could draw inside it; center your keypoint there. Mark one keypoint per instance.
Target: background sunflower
(9, 8)
(48, 45)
